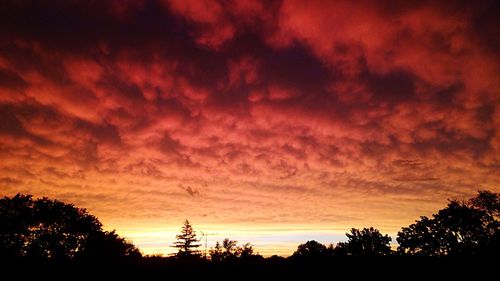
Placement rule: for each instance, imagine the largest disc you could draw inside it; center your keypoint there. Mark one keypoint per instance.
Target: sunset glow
(270, 122)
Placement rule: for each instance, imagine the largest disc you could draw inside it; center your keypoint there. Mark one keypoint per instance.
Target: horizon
(153, 242)
(272, 123)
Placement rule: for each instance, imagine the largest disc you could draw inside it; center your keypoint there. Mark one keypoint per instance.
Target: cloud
(292, 113)
(191, 191)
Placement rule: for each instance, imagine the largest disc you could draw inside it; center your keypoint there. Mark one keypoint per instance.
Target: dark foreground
(393, 268)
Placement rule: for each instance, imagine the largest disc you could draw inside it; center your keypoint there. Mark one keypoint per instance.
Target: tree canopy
(51, 229)
(310, 249)
(488, 202)
(229, 250)
(462, 228)
(365, 242)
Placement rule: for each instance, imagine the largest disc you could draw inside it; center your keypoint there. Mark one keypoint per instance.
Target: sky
(270, 122)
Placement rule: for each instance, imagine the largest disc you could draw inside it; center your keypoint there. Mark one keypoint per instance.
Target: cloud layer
(302, 115)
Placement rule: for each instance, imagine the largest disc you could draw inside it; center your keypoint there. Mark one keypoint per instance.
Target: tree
(310, 249)
(187, 242)
(246, 251)
(420, 238)
(216, 253)
(51, 229)
(365, 242)
(488, 202)
(107, 245)
(462, 228)
(229, 250)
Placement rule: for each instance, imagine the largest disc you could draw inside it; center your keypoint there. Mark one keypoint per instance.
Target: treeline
(462, 228)
(50, 229)
(40, 235)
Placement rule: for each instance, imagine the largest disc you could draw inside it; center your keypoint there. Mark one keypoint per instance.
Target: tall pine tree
(187, 242)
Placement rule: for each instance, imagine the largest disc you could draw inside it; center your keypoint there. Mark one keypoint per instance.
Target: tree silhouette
(51, 229)
(488, 202)
(246, 251)
(216, 253)
(229, 250)
(421, 238)
(187, 242)
(365, 242)
(310, 249)
(108, 245)
(462, 228)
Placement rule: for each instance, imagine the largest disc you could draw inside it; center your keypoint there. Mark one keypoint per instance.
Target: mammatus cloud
(307, 116)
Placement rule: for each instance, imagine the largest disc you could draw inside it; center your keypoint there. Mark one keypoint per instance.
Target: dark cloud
(12, 81)
(9, 124)
(168, 145)
(393, 87)
(7, 181)
(410, 163)
(191, 191)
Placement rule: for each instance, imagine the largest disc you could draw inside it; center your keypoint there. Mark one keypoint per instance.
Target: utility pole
(206, 240)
